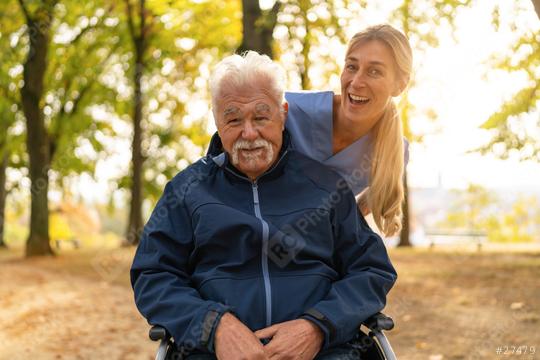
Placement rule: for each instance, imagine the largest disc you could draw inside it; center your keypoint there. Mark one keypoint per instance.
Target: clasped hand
(295, 339)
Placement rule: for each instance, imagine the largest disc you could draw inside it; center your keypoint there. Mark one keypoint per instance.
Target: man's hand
(295, 339)
(233, 340)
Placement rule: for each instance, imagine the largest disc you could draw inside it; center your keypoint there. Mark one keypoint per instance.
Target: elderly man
(256, 251)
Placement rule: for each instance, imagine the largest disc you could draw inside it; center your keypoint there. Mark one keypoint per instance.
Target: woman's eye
(233, 121)
(375, 72)
(261, 118)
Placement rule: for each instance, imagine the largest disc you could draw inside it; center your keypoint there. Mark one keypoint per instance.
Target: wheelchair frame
(376, 324)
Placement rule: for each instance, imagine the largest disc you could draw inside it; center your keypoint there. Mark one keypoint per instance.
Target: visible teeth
(358, 98)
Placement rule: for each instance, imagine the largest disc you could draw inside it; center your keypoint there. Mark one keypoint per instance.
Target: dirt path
(446, 306)
(53, 312)
(465, 305)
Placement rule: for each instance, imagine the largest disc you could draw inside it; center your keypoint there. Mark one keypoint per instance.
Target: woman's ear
(400, 85)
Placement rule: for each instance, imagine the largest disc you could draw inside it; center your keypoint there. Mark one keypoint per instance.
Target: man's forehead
(232, 93)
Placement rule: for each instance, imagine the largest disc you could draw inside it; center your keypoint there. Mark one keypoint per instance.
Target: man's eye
(261, 118)
(350, 67)
(233, 121)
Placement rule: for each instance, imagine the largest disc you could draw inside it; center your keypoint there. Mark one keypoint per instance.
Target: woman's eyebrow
(375, 62)
(372, 62)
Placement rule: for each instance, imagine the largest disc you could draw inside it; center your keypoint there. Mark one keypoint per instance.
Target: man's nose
(249, 132)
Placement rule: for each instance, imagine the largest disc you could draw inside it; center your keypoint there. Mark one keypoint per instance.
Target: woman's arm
(362, 202)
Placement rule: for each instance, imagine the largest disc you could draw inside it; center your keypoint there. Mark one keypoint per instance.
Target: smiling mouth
(358, 100)
(253, 149)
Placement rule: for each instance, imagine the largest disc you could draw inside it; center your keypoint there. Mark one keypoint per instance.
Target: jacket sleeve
(367, 275)
(161, 280)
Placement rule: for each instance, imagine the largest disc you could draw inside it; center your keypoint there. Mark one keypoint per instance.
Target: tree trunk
(37, 139)
(306, 47)
(135, 222)
(404, 239)
(3, 194)
(536, 4)
(258, 27)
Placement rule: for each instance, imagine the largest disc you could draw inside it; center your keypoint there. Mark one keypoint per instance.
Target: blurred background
(102, 102)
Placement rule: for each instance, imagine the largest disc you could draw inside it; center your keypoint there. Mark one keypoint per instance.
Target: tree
(139, 38)
(3, 167)
(536, 4)
(520, 224)
(57, 93)
(258, 27)
(417, 23)
(307, 24)
(168, 47)
(476, 210)
(10, 149)
(308, 27)
(9, 104)
(39, 25)
(507, 125)
(75, 85)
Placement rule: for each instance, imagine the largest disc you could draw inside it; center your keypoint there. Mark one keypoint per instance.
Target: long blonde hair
(385, 193)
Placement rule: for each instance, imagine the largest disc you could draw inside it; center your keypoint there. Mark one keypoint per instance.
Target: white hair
(243, 70)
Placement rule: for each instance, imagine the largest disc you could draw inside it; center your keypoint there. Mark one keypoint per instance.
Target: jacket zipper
(264, 255)
(265, 233)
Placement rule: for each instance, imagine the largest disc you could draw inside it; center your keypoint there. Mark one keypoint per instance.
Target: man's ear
(285, 111)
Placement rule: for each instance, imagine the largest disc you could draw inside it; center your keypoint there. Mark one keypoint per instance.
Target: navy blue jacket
(290, 245)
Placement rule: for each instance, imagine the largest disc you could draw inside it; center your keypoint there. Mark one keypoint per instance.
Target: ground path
(447, 305)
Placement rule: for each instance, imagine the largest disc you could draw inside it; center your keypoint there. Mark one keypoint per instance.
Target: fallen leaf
(516, 305)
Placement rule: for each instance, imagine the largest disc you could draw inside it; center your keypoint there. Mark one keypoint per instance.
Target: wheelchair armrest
(379, 322)
(158, 333)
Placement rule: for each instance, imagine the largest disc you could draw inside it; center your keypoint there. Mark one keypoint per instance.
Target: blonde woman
(358, 133)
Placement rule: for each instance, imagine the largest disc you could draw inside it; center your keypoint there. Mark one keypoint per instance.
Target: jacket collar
(218, 155)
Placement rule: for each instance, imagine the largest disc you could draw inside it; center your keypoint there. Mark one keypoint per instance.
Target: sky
(453, 80)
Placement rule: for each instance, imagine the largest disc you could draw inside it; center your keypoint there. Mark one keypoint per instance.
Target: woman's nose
(359, 80)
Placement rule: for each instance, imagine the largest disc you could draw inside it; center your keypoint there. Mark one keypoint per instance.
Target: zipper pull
(255, 194)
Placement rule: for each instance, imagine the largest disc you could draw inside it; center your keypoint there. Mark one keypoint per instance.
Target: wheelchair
(371, 346)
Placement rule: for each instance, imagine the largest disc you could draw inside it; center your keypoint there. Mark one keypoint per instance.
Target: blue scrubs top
(309, 121)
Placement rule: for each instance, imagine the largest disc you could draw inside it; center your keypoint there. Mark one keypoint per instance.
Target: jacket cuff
(323, 323)
(210, 323)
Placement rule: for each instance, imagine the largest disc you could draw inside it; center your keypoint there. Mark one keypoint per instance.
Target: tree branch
(25, 11)
(275, 9)
(129, 13)
(143, 26)
(90, 27)
(83, 31)
(8, 95)
(142, 14)
(536, 4)
(61, 116)
(148, 27)
(272, 13)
